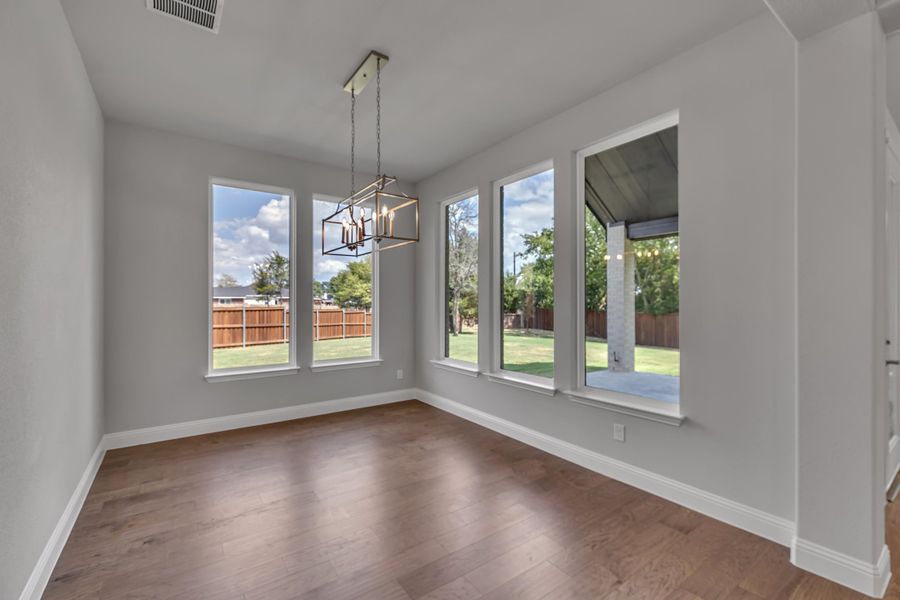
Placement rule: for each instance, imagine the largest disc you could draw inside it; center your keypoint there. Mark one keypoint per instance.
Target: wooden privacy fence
(337, 323)
(237, 326)
(241, 326)
(649, 330)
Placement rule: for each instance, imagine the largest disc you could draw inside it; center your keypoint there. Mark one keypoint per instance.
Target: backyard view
(342, 296)
(271, 354)
(527, 352)
(630, 287)
(527, 266)
(632, 267)
(251, 274)
(251, 304)
(638, 334)
(461, 280)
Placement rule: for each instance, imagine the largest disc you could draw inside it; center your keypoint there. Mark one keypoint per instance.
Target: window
(526, 266)
(343, 297)
(250, 301)
(460, 304)
(630, 265)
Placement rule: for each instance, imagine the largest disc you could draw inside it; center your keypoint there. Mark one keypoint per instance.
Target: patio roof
(636, 182)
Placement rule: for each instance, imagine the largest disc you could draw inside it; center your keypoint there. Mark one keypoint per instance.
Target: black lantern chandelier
(379, 216)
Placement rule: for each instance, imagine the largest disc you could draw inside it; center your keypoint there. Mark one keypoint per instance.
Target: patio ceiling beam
(654, 228)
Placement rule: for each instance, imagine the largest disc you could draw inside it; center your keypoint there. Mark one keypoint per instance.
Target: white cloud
(240, 243)
(326, 267)
(275, 217)
(527, 208)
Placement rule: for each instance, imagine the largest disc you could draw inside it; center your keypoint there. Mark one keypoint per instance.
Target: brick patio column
(620, 299)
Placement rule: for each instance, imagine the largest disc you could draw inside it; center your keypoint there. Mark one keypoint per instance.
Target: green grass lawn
(533, 353)
(349, 348)
(277, 354)
(522, 352)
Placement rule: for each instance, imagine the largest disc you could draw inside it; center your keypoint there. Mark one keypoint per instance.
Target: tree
(225, 280)
(352, 286)
(537, 275)
(272, 275)
(462, 257)
(656, 275)
(318, 289)
(513, 295)
(656, 271)
(594, 263)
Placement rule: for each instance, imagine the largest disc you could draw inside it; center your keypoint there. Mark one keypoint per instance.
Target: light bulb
(606, 257)
(618, 257)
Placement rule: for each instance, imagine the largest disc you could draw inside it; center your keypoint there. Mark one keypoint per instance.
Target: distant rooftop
(242, 291)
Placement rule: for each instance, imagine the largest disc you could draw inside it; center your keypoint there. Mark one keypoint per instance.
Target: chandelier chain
(352, 141)
(378, 113)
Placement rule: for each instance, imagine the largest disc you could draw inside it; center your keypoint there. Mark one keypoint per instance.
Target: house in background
(247, 295)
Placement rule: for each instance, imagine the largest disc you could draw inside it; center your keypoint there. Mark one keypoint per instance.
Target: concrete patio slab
(664, 388)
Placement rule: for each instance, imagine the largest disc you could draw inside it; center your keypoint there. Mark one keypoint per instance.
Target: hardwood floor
(398, 502)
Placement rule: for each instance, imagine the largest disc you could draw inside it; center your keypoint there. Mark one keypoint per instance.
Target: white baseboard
(40, 575)
(149, 435)
(734, 513)
(866, 578)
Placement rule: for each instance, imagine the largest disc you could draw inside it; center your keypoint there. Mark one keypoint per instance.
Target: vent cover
(205, 14)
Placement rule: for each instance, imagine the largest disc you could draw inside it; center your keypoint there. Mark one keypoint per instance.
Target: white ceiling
(463, 74)
(805, 18)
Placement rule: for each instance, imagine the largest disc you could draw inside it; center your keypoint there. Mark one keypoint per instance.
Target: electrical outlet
(399, 373)
(618, 432)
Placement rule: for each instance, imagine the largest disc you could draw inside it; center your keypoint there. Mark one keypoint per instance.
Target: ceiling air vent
(205, 14)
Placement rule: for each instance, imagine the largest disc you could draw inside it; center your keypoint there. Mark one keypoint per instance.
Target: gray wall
(736, 99)
(842, 433)
(156, 296)
(51, 196)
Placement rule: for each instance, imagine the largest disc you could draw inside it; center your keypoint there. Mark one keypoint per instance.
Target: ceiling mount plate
(365, 72)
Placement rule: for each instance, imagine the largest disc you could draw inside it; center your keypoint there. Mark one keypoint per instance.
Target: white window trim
(544, 385)
(630, 404)
(442, 360)
(340, 364)
(263, 370)
(457, 366)
(238, 374)
(373, 359)
(524, 381)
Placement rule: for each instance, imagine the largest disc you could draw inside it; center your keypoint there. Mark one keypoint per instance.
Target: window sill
(237, 375)
(456, 366)
(635, 406)
(532, 385)
(337, 365)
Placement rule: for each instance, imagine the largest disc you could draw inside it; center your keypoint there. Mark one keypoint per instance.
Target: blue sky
(527, 208)
(247, 226)
(326, 267)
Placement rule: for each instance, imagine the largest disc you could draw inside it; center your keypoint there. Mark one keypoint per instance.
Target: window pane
(526, 221)
(631, 260)
(461, 276)
(342, 296)
(251, 278)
